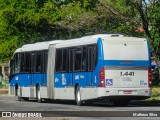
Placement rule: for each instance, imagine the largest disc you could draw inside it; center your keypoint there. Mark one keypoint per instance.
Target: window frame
(38, 70)
(72, 52)
(57, 70)
(81, 53)
(86, 57)
(44, 61)
(66, 60)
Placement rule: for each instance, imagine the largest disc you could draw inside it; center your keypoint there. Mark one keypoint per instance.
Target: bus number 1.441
(127, 73)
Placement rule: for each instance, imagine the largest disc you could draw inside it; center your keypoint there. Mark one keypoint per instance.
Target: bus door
(32, 64)
(92, 61)
(80, 74)
(33, 56)
(27, 70)
(44, 67)
(89, 82)
(71, 65)
(51, 71)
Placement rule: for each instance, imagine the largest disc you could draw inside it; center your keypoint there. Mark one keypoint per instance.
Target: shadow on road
(102, 104)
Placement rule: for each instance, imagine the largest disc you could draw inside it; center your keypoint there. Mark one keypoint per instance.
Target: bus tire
(19, 98)
(78, 96)
(17, 93)
(39, 99)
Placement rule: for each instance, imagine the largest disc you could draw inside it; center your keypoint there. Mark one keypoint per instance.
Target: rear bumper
(132, 93)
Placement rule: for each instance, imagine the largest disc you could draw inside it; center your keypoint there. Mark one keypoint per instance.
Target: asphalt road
(63, 108)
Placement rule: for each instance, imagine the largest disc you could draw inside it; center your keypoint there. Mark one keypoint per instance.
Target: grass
(155, 94)
(155, 91)
(154, 99)
(4, 88)
(3, 91)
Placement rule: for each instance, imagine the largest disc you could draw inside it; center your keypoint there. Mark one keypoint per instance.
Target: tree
(150, 17)
(23, 22)
(145, 13)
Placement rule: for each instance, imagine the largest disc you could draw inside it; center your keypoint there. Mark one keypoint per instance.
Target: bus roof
(72, 42)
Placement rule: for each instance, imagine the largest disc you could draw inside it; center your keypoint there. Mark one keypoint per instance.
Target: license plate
(127, 92)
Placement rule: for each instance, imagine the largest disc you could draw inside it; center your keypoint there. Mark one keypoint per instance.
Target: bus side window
(95, 56)
(92, 57)
(11, 67)
(78, 59)
(27, 62)
(84, 59)
(89, 58)
(38, 62)
(45, 61)
(64, 65)
(59, 60)
(17, 66)
(33, 60)
(22, 63)
(71, 59)
(17, 63)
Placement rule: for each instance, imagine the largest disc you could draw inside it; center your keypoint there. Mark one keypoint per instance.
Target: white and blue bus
(96, 67)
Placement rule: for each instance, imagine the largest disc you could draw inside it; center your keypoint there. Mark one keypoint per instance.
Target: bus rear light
(149, 77)
(102, 77)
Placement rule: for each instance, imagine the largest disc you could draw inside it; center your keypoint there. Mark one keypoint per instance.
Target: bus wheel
(19, 98)
(39, 99)
(78, 96)
(17, 93)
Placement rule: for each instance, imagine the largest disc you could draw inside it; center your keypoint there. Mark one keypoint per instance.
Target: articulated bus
(91, 68)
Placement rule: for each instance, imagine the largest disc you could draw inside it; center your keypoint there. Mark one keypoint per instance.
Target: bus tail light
(102, 77)
(149, 77)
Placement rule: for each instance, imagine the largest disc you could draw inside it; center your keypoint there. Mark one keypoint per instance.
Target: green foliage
(30, 21)
(155, 93)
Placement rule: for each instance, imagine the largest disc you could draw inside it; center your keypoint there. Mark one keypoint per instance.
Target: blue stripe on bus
(126, 63)
(26, 80)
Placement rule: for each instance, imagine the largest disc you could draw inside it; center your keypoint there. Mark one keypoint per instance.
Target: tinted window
(92, 57)
(27, 62)
(11, 67)
(89, 58)
(45, 61)
(17, 63)
(33, 61)
(78, 59)
(71, 60)
(64, 65)
(38, 62)
(58, 60)
(95, 56)
(22, 63)
(84, 59)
